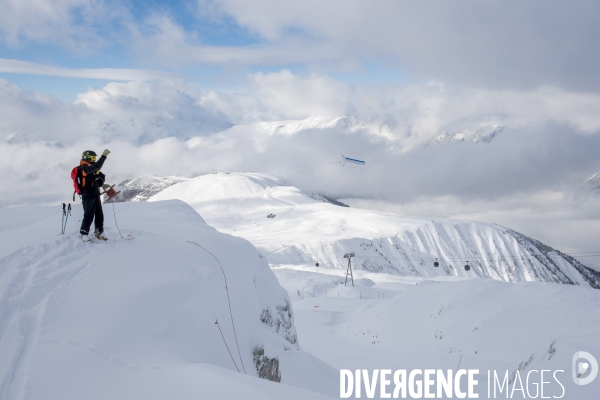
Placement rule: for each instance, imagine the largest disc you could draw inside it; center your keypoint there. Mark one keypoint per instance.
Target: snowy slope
(137, 319)
(306, 231)
(390, 321)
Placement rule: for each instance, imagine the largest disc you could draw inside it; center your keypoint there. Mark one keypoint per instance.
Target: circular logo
(581, 367)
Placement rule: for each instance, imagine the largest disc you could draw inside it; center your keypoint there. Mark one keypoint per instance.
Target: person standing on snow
(92, 180)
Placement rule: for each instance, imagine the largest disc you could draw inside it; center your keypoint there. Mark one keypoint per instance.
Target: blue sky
(496, 44)
(111, 47)
(119, 54)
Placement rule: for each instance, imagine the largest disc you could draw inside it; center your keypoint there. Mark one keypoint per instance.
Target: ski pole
(62, 224)
(66, 213)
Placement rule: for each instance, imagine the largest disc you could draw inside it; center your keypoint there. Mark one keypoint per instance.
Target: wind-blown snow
(136, 319)
(305, 231)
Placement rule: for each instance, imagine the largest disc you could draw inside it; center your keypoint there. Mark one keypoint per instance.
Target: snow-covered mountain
(169, 313)
(288, 226)
(371, 125)
(152, 317)
(483, 134)
(144, 187)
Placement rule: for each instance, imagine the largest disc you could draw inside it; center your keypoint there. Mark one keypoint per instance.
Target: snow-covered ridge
(143, 317)
(347, 123)
(305, 231)
(144, 187)
(484, 134)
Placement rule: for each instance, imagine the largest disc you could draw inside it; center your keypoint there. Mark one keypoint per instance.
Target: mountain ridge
(302, 230)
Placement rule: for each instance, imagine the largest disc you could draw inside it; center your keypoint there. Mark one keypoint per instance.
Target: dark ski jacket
(93, 179)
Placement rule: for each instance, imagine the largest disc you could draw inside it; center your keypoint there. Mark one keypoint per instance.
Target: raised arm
(90, 169)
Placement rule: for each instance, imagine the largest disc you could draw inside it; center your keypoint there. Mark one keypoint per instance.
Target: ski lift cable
(336, 178)
(475, 258)
(341, 162)
(462, 258)
(338, 161)
(491, 256)
(406, 259)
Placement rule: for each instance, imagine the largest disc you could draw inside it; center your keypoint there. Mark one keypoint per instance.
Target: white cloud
(172, 127)
(114, 74)
(410, 116)
(161, 40)
(490, 44)
(72, 24)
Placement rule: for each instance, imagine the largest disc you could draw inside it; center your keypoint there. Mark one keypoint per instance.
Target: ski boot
(100, 235)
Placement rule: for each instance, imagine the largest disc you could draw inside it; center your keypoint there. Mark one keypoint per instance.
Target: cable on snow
(229, 302)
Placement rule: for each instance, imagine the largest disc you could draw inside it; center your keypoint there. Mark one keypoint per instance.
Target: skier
(92, 179)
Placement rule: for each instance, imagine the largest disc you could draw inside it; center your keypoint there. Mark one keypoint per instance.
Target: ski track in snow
(29, 290)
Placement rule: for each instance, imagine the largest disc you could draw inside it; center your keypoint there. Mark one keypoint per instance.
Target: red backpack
(77, 184)
(78, 177)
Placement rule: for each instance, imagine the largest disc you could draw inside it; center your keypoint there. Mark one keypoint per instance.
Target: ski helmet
(89, 155)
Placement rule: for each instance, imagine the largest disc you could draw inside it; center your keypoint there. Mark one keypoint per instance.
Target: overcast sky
(186, 88)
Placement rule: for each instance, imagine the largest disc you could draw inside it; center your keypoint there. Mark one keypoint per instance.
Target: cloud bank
(498, 119)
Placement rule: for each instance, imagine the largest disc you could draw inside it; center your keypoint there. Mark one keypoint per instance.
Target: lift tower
(349, 269)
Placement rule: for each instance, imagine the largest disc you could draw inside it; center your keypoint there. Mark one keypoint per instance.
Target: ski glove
(105, 186)
(106, 152)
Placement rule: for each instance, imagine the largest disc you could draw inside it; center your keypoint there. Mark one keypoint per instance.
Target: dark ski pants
(92, 211)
